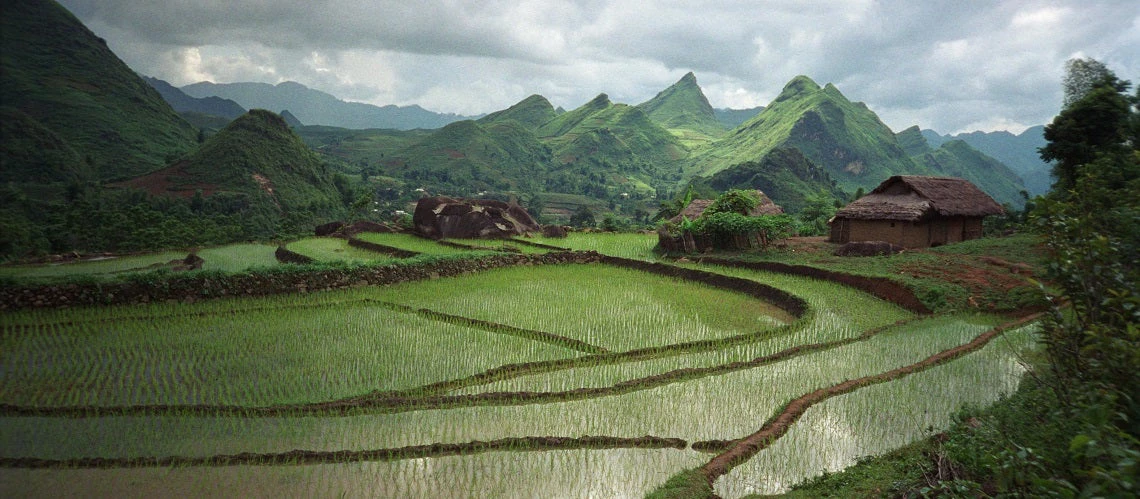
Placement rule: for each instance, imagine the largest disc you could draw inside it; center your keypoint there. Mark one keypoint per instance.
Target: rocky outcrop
(444, 217)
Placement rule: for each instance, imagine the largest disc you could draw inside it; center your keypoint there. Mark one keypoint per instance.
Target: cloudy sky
(958, 65)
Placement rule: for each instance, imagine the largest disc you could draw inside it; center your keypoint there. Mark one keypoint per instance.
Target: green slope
(609, 135)
(845, 138)
(58, 74)
(259, 162)
(683, 108)
(785, 175)
(957, 159)
(466, 157)
(913, 142)
(531, 113)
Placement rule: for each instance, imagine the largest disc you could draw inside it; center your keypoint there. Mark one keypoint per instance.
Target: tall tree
(1096, 120)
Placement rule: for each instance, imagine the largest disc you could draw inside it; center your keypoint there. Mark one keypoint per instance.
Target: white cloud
(947, 66)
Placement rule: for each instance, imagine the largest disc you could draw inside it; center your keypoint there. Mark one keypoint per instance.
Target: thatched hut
(669, 240)
(916, 212)
(697, 207)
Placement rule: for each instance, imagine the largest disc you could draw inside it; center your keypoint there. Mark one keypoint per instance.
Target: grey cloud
(945, 65)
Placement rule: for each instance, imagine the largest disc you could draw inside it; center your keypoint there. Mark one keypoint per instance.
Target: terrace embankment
(743, 449)
(197, 286)
(299, 457)
(429, 397)
(880, 287)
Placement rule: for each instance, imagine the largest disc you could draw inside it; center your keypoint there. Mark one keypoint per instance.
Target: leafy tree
(1089, 221)
(584, 217)
(1081, 77)
(819, 209)
(1097, 123)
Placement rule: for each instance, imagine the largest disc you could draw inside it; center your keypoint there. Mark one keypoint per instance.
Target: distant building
(915, 212)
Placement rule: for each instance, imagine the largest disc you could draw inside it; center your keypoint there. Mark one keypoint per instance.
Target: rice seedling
(332, 249)
(268, 356)
(618, 309)
(238, 257)
(410, 243)
(633, 245)
(101, 266)
(835, 433)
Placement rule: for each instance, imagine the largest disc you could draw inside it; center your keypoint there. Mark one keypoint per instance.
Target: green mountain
(68, 91)
(182, 103)
(257, 164)
(611, 135)
(467, 157)
(683, 108)
(785, 175)
(319, 108)
(846, 139)
(531, 113)
(957, 159)
(1019, 152)
(913, 142)
(732, 118)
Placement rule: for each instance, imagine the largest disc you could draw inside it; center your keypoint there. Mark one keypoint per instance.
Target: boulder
(867, 248)
(556, 231)
(443, 217)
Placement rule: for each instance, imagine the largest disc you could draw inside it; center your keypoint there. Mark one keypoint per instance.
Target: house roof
(697, 207)
(912, 197)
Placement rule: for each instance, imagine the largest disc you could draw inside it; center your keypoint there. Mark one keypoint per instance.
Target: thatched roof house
(916, 212)
(697, 207)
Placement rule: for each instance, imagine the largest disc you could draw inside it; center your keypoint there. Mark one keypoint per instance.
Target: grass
(332, 249)
(271, 355)
(320, 346)
(238, 257)
(410, 243)
(836, 433)
(957, 276)
(626, 309)
(633, 245)
(96, 268)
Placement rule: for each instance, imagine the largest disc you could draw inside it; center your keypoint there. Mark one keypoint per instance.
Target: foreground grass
(988, 274)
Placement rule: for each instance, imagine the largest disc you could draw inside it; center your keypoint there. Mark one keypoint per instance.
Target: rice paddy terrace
(602, 376)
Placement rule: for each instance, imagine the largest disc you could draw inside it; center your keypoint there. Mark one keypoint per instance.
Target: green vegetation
(988, 273)
(93, 267)
(66, 88)
(1070, 429)
(332, 249)
(410, 242)
(683, 106)
(844, 138)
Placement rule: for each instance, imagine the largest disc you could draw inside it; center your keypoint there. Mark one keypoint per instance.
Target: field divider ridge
(743, 449)
(304, 457)
(494, 327)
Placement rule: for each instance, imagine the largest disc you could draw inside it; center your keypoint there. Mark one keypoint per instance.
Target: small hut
(668, 240)
(915, 212)
(697, 207)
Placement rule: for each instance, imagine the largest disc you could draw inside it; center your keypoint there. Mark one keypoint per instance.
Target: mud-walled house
(916, 212)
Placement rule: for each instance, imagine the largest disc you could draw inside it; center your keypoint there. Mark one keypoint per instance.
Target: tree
(1081, 77)
(584, 217)
(1097, 122)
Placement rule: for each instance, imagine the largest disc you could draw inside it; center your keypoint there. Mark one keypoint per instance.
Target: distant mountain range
(314, 107)
(183, 103)
(81, 129)
(1018, 152)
